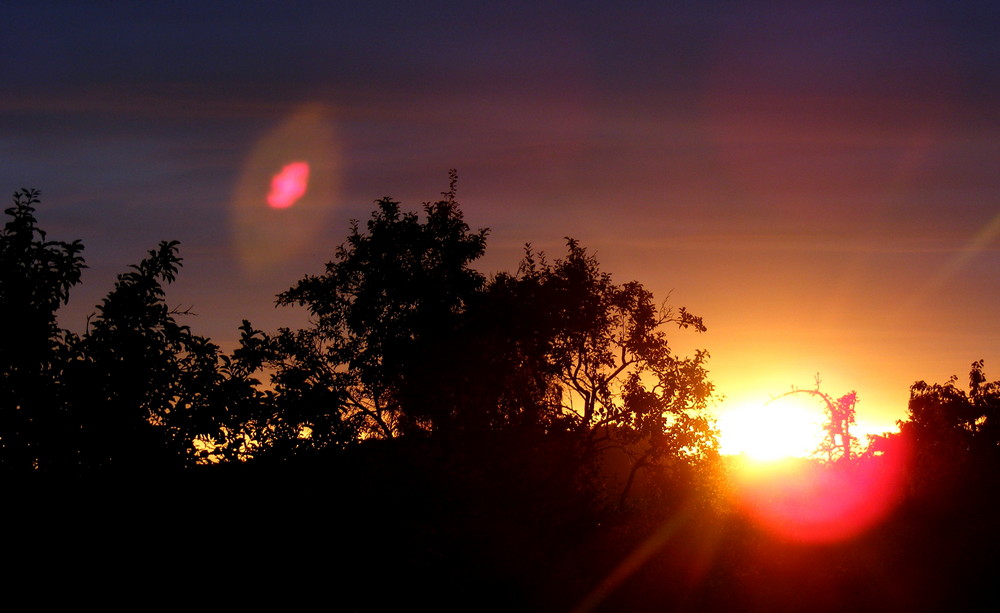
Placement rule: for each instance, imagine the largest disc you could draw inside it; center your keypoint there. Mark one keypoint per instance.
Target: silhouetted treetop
(409, 339)
(554, 366)
(952, 427)
(132, 393)
(36, 276)
(613, 378)
(389, 292)
(35, 271)
(138, 360)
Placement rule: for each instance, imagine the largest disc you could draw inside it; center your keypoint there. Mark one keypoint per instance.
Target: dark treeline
(526, 440)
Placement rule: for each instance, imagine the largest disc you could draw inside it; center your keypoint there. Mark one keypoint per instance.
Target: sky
(819, 181)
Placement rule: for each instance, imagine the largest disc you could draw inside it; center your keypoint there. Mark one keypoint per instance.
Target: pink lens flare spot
(288, 185)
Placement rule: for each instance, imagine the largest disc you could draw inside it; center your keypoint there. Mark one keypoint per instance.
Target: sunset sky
(820, 181)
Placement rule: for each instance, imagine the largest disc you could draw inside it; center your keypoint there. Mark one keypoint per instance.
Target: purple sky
(821, 182)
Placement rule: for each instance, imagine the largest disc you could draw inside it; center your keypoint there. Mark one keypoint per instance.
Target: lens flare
(288, 185)
(803, 500)
(287, 189)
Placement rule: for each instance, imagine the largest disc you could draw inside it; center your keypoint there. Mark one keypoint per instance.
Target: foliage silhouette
(955, 434)
(36, 276)
(409, 340)
(132, 392)
(611, 377)
(141, 381)
(391, 293)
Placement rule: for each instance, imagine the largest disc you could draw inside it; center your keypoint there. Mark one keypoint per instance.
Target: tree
(36, 276)
(310, 405)
(973, 417)
(408, 339)
(616, 382)
(839, 444)
(143, 385)
(389, 296)
(955, 434)
(131, 393)
(840, 417)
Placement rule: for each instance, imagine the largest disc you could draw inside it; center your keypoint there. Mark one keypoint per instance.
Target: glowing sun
(789, 426)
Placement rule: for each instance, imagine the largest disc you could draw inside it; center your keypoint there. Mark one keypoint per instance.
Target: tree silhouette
(955, 434)
(552, 366)
(408, 339)
(230, 417)
(35, 279)
(973, 417)
(136, 372)
(381, 306)
(613, 379)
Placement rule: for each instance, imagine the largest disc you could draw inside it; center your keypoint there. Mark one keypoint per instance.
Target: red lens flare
(804, 501)
(288, 185)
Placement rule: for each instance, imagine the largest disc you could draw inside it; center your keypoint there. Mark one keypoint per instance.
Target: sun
(789, 426)
(784, 487)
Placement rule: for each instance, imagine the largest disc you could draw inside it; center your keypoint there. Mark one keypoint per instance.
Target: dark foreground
(356, 535)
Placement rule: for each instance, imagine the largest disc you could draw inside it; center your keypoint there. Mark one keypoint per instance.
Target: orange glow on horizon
(289, 185)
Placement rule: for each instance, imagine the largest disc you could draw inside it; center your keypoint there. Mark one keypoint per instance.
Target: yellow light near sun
(784, 489)
(791, 426)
